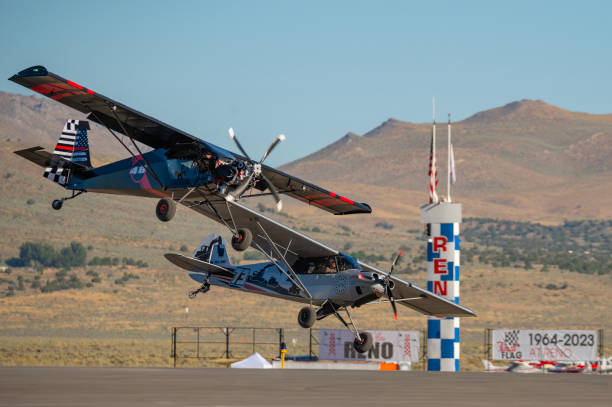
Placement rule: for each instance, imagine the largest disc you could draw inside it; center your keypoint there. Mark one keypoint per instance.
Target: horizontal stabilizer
(191, 264)
(43, 158)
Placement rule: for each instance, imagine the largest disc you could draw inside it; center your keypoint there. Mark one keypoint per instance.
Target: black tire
(57, 204)
(165, 209)
(243, 240)
(365, 344)
(307, 317)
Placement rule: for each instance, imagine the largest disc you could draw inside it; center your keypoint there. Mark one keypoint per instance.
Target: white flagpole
(448, 185)
(433, 136)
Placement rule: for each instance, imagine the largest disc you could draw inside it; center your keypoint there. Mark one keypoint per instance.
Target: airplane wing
(156, 134)
(313, 194)
(191, 264)
(293, 244)
(107, 112)
(422, 300)
(234, 215)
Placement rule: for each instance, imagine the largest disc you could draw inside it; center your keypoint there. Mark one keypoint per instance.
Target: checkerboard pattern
(443, 255)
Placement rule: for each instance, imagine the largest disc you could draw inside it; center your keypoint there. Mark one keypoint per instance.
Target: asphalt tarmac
(115, 387)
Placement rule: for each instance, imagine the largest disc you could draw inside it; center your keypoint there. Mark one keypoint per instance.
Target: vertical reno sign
(443, 253)
(389, 346)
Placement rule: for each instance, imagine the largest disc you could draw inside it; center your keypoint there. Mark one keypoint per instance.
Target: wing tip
(36, 70)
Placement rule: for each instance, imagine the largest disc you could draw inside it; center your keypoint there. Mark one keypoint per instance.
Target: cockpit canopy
(325, 265)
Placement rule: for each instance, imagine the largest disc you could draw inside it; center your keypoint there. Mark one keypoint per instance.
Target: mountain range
(524, 160)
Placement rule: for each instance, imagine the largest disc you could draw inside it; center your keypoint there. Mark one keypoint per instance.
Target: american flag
(73, 144)
(433, 173)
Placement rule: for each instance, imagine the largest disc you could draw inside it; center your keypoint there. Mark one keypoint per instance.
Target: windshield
(350, 262)
(325, 265)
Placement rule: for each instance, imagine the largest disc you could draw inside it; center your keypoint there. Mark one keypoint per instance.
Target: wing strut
(282, 258)
(148, 168)
(153, 174)
(273, 260)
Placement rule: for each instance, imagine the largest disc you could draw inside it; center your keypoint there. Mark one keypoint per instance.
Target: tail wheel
(165, 210)
(242, 240)
(307, 317)
(57, 204)
(365, 344)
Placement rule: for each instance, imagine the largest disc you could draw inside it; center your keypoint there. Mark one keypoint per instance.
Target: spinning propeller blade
(256, 172)
(274, 143)
(233, 137)
(387, 285)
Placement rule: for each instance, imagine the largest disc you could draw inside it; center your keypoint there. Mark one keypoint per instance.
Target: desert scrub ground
(129, 323)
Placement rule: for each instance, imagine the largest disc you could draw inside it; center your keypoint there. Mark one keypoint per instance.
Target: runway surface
(116, 387)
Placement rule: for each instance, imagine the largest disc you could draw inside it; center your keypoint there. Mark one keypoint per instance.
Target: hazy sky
(314, 70)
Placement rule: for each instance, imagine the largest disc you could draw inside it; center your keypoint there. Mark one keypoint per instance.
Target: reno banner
(532, 344)
(389, 346)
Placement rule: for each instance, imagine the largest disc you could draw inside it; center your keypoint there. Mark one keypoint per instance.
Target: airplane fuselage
(343, 288)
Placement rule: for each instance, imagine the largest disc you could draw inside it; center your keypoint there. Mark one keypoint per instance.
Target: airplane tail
(71, 148)
(213, 250)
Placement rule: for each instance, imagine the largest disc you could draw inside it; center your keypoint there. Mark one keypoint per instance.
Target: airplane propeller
(388, 286)
(255, 171)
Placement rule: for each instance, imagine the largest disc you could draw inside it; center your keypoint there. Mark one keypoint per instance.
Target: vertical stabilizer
(213, 250)
(72, 146)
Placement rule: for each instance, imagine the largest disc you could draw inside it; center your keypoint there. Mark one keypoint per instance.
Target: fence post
(310, 344)
(227, 334)
(424, 348)
(281, 339)
(198, 342)
(601, 343)
(174, 345)
(254, 339)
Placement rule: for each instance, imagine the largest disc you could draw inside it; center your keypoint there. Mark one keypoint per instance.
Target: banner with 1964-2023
(537, 344)
(389, 346)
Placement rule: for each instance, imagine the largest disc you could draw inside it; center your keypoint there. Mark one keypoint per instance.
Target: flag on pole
(433, 173)
(453, 175)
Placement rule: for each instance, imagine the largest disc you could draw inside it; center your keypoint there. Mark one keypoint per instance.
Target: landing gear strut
(363, 340)
(204, 288)
(57, 204)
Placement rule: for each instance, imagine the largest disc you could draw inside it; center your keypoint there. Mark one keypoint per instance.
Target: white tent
(255, 361)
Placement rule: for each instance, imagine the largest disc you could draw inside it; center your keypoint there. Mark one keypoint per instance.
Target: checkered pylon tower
(443, 254)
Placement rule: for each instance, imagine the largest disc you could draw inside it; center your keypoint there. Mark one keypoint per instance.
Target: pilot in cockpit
(331, 266)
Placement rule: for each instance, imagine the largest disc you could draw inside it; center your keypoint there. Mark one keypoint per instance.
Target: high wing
(156, 134)
(293, 244)
(235, 216)
(313, 195)
(107, 112)
(421, 300)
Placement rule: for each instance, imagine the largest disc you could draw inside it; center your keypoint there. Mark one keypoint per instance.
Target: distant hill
(524, 157)
(32, 120)
(524, 160)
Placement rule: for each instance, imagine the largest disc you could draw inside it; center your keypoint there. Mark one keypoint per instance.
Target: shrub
(62, 284)
(384, 225)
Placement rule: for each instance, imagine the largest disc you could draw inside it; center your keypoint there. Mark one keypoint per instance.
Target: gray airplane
(304, 270)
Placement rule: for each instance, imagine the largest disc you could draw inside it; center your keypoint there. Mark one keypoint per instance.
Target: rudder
(72, 146)
(213, 250)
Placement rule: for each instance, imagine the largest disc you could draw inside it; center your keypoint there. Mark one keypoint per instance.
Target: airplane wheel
(307, 317)
(365, 344)
(165, 210)
(57, 204)
(243, 240)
